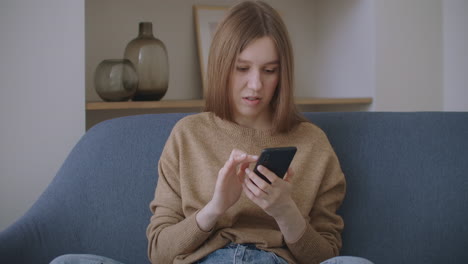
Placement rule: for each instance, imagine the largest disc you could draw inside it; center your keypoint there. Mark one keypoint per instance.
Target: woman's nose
(255, 81)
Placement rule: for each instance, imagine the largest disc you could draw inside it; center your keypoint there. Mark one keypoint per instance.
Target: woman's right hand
(227, 190)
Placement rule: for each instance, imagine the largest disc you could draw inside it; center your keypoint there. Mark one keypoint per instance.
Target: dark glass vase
(149, 56)
(115, 80)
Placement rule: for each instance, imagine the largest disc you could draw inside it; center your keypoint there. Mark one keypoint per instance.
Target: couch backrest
(407, 175)
(406, 199)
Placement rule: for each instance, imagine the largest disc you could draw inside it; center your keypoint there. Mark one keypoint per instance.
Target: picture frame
(206, 19)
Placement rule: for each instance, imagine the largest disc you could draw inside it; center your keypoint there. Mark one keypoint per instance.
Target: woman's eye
(270, 70)
(242, 69)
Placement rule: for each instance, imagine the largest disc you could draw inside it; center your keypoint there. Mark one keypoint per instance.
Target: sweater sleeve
(322, 238)
(170, 233)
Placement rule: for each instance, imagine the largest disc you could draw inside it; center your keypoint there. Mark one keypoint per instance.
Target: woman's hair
(244, 23)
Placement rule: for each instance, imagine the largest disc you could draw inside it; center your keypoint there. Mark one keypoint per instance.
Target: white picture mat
(206, 21)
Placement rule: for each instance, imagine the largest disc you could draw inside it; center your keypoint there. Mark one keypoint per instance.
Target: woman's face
(253, 83)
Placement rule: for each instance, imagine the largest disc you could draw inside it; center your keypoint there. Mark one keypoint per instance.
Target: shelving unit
(333, 44)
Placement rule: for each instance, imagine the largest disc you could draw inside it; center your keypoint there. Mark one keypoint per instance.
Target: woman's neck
(262, 122)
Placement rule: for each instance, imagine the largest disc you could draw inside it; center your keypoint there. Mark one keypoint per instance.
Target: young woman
(209, 205)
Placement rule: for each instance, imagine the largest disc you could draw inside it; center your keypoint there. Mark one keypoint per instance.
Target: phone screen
(277, 160)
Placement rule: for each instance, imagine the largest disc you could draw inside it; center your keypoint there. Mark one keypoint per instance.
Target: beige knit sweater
(197, 148)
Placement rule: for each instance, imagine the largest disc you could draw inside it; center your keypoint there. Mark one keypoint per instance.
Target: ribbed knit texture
(197, 148)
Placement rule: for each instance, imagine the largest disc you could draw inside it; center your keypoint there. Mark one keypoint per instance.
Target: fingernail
(247, 170)
(255, 157)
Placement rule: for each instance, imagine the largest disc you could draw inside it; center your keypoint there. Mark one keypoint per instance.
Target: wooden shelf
(183, 104)
(144, 104)
(334, 101)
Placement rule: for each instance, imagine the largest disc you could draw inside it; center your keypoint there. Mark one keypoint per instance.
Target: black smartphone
(277, 160)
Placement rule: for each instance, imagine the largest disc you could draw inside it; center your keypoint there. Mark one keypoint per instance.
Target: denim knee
(347, 260)
(83, 259)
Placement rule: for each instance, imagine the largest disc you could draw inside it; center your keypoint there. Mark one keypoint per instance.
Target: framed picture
(206, 20)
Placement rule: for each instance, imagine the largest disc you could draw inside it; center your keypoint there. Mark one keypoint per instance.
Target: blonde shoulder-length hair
(245, 22)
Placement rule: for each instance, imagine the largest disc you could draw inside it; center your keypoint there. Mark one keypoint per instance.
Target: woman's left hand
(274, 198)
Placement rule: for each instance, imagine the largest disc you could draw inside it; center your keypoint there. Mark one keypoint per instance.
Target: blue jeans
(241, 253)
(248, 253)
(231, 254)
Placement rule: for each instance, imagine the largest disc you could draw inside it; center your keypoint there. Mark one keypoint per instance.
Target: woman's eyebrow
(268, 63)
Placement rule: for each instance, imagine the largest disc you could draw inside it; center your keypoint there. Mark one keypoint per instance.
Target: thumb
(289, 175)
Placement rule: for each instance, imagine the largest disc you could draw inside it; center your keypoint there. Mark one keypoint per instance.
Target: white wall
(455, 55)
(42, 96)
(409, 59)
(345, 49)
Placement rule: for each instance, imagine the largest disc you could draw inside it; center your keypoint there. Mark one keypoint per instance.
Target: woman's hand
(275, 199)
(229, 183)
(227, 190)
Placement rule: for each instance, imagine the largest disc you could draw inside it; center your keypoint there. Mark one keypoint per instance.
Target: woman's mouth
(251, 100)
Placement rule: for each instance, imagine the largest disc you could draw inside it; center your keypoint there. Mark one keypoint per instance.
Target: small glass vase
(115, 80)
(149, 56)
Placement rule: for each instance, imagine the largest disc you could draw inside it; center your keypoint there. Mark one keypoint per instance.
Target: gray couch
(407, 198)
